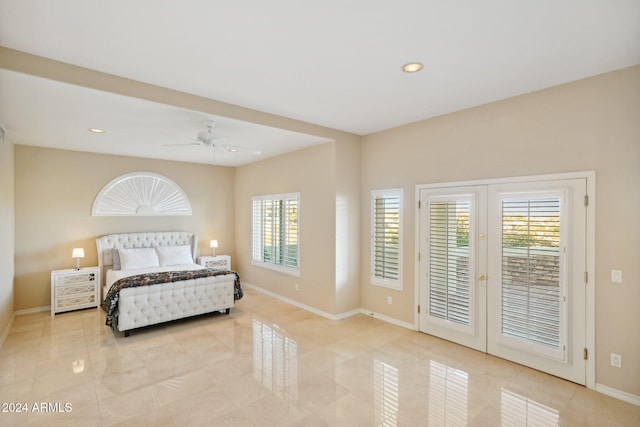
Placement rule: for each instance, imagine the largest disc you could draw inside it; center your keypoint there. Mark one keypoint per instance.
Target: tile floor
(272, 364)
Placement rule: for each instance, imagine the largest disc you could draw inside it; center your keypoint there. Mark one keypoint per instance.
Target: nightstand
(219, 262)
(74, 289)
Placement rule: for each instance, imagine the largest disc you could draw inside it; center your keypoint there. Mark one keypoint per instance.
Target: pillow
(115, 256)
(135, 258)
(174, 255)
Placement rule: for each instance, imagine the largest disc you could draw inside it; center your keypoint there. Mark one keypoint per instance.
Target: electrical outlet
(616, 360)
(297, 287)
(389, 300)
(616, 276)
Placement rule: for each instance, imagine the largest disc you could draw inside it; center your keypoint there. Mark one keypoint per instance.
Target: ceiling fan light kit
(206, 136)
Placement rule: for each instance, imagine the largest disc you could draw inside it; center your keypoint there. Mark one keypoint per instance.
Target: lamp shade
(213, 244)
(77, 253)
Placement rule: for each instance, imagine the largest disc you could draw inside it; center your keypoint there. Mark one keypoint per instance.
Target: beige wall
(55, 190)
(347, 226)
(7, 229)
(591, 124)
(327, 177)
(312, 173)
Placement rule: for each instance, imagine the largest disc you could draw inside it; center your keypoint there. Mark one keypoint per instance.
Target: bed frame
(150, 305)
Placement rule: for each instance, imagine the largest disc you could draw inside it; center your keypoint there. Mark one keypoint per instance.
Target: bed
(151, 278)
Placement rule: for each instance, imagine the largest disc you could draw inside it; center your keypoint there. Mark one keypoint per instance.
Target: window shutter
(449, 256)
(531, 265)
(274, 219)
(275, 232)
(386, 238)
(291, 233)
(258, 227)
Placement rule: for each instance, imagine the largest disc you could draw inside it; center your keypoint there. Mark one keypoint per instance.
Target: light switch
(616, 276)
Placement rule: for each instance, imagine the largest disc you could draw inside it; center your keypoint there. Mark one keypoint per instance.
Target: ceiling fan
(208, 138)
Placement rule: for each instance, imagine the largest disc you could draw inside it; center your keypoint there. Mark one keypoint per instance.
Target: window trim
(395, 284)
(271, 265)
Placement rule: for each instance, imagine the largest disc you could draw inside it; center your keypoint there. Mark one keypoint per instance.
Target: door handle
(482, 277)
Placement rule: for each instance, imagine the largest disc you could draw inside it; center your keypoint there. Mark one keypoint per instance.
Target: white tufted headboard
(106, 243)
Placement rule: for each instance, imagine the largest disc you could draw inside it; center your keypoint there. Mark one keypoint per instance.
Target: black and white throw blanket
(110, 303)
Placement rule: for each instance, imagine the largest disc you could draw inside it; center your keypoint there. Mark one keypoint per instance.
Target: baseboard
(388, 319)
(32, 310)
(346, 314)
(6, 331)
(621, 395)
(301, 305)
(329, 315)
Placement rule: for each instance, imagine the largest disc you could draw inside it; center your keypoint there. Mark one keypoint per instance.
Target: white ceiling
(46, 113)
(331, 63)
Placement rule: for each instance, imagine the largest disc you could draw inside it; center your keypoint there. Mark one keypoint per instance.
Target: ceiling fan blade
(182, 145)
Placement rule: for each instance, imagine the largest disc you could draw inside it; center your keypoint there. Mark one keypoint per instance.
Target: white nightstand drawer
(78, 276)
(80, 288)
(74, 302)
(219, 262)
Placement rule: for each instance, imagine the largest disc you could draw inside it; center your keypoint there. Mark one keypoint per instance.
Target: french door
(451, 258)
(502, 271)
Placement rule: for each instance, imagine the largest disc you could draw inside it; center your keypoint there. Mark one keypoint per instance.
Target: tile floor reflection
(271, 364)
(448, 392)
(386, 396)
(275, 360)
(519, 410)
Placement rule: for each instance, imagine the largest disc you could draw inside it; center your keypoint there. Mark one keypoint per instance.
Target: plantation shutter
(257, 246)
(386, 245)
(290, 232)
(449, 257)
(531, 270)
(275, 231)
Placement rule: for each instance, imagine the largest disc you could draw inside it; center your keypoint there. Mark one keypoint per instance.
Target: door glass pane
(449, 254)
(531, 270)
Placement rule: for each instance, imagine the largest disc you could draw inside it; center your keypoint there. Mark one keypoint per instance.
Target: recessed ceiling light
(412, 67)
(96, 130)
(232, 150)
